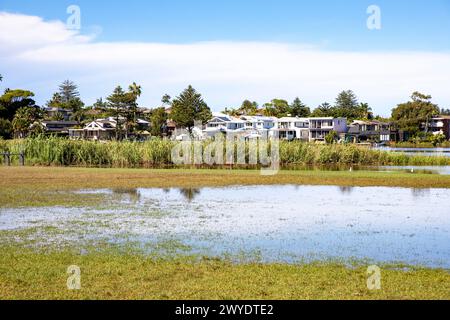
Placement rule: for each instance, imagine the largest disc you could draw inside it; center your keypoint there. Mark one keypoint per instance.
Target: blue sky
(320, 39)
(407, 24)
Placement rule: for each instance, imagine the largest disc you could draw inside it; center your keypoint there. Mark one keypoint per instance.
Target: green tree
(189, 107)
(100, 105)
(158, 120)
(411, 115)
(67, 97)
(276, 108)
(299, 109)
(248, 108)
(117, 103)
(437, 139)
(347, 106)
(445, 112)
(331, 137)
(13, 100)
(68, 91)
(134, 92)
(365, 111)
(323, 110)
(166, 99)
(24, 119)
(6, 129)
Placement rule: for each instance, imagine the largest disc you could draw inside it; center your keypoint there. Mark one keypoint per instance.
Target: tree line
(21, 117)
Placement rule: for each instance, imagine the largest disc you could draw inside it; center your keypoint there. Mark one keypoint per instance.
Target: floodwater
(266, 223)
(432, 152)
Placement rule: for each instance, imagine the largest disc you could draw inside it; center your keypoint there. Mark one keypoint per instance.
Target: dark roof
(68, 123)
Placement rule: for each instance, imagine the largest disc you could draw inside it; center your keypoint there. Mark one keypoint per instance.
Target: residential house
(105, 129)
(319, 128)
(290, 128)
(58, 114)
(102, 129)
(375, 131)
(60, 128)
(222, 123)
(440, 125)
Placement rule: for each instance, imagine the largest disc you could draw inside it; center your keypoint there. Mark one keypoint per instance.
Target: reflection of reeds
(157, 153)
(190, 193)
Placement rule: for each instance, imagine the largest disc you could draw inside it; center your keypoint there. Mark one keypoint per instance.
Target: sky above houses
(230, 50)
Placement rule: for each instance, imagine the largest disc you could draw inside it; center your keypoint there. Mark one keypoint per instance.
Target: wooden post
(7, 156)
(22, 159)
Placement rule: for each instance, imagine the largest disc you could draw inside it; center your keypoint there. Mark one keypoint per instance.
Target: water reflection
(132, 194)
(346, 189)
(189, 193)
(420, 193)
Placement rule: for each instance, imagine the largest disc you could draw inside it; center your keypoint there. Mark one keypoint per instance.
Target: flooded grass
(218, 234)
(276, 223)
(125, 274)
(40, 187)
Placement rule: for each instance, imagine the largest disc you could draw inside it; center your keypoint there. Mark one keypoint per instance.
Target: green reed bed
(157, 153)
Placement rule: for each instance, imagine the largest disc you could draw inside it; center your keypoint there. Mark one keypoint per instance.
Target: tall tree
(100, 105)
(346, 105)
(68, 91)
(117, 102)
(299, 109)
(277, 108)
(365, 111)
(158, 120)
(323, 110)
(134, 92)
(6, 129)
(189, 107)
(445, 112)
(412, 114)
(13, 100)
(166, 99)
(248, 108)
(23, 120)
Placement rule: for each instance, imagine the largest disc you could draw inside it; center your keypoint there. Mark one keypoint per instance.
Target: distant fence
(7, 158)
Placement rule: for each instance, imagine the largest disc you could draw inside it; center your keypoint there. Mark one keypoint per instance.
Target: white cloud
(41, 54)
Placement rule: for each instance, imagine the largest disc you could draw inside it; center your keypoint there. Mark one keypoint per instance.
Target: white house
(290, 128)
(319, 128)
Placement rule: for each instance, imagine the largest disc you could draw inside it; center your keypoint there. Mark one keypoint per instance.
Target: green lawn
(25, 274)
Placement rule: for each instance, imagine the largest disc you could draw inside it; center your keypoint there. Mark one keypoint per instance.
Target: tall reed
(157, 153)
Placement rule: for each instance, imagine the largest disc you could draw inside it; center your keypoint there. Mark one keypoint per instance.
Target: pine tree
(189, 107)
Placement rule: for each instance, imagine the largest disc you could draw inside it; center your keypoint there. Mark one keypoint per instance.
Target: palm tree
(166, 99)
(135, 91)
(1, 77)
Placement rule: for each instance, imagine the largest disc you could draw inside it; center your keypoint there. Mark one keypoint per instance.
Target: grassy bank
(43, 186)
(25, 274)
(445, 144)
(157, 154)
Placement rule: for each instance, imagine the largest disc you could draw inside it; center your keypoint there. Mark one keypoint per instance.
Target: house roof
(67, 123)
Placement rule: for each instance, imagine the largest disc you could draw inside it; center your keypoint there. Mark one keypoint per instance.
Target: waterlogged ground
(263, 223)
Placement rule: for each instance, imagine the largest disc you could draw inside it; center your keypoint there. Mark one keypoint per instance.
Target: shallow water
(271, 223)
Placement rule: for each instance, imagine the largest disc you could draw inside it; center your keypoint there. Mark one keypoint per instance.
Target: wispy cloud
(41, 54)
